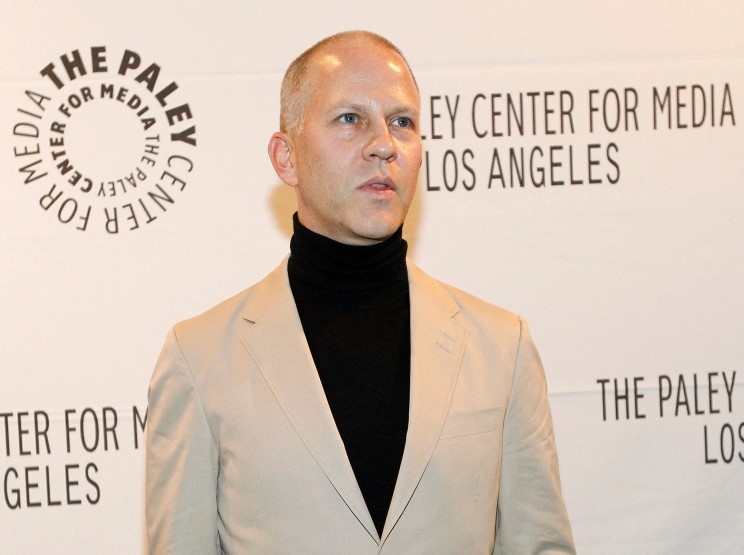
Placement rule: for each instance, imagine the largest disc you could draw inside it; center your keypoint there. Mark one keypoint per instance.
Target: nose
(381, 144)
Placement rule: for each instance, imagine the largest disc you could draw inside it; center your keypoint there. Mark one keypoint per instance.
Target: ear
(280, 153)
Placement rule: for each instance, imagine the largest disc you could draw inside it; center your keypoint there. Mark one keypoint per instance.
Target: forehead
(360, 69)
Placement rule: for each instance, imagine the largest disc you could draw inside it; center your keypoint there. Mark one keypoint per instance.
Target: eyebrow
(357, 107)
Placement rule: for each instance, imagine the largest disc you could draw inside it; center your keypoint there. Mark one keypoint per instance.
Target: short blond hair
(295, 91)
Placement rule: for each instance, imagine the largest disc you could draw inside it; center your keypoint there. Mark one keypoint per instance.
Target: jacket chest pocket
(473, 422)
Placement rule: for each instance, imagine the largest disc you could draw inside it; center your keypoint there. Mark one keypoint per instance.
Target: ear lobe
(280, 153)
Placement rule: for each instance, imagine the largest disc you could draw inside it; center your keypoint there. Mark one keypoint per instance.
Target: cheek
(412, 156)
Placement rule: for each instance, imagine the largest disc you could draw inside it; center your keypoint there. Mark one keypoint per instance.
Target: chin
(379, 231)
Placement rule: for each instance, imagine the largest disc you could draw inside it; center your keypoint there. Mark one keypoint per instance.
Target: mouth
(379, 184)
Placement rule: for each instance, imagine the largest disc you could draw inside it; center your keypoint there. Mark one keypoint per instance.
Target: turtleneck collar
(328, 264)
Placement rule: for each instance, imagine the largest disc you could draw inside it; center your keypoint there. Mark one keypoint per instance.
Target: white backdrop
(632, 282)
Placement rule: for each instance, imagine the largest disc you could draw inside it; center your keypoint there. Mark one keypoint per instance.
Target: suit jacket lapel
(276, 342)
(437, 347)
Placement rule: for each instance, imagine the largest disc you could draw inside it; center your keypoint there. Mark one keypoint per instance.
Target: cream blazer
(243, 455)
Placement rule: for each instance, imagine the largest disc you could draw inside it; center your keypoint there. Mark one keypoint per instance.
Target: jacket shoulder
(470, 308)
(219, 321)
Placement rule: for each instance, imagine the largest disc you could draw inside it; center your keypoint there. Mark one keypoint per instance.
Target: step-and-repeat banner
(584, 166)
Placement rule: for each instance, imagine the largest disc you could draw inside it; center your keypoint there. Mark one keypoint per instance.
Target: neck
(328, 264)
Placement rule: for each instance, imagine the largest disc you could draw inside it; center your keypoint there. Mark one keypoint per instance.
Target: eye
(348, 118)
(402, 121)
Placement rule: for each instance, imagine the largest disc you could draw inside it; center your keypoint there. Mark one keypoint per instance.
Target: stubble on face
(358, 152)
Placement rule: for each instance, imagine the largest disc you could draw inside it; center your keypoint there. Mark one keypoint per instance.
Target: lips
(378, 184)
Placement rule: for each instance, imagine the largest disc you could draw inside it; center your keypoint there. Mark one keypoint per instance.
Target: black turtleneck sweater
(354, 306)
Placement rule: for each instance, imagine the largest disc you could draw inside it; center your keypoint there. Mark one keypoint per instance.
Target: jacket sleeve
(182, 461)
(531, 515)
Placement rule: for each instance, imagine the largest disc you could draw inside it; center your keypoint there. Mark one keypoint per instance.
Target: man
(349, 403)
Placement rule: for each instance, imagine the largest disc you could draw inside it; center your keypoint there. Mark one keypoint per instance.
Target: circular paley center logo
(104, 140)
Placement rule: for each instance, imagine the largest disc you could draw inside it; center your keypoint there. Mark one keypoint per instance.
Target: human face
(358, 152)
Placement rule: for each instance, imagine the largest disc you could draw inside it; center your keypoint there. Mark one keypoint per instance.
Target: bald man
(349, 403)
